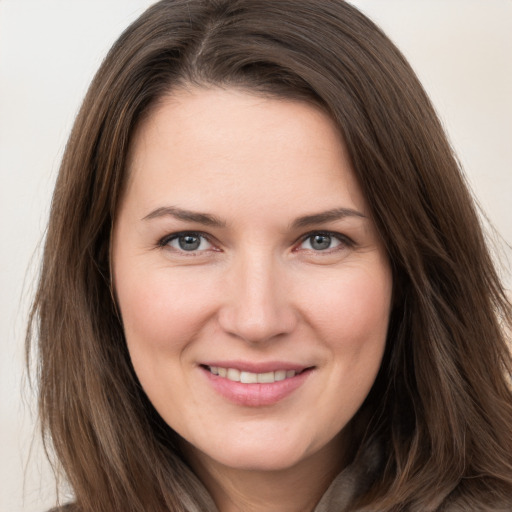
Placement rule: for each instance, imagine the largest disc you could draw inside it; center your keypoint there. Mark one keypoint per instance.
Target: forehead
(208, 145)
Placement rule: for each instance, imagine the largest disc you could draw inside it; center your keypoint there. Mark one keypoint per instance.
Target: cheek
(351, 321)
(162, 309)
(351, 311)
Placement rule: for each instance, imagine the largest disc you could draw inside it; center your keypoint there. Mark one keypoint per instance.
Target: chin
(269, 458)
(263, 452)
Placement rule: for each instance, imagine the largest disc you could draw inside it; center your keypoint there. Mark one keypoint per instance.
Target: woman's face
(253, 287)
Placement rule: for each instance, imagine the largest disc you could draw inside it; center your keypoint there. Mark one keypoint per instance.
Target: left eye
(320, 242)
(189, 242)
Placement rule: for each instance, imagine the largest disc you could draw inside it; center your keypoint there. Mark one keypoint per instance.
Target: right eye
(188, 242)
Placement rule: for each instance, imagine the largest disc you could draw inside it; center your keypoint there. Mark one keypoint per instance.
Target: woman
(265, 286)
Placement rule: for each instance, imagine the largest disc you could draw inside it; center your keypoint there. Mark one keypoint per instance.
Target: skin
(257, 289)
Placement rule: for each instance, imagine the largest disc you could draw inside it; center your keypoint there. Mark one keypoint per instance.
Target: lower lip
(256, 395)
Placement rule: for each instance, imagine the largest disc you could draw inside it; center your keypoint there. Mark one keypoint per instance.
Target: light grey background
(49, 51)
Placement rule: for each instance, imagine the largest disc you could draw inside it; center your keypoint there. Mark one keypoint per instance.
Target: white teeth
(252, 378)
(266, 377)
(248, 377)
(280, 375)
(233, 374)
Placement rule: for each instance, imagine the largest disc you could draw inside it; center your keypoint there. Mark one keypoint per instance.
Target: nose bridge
(258, 307)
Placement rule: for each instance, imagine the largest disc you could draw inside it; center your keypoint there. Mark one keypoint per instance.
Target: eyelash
(345, 241)
(166, 240)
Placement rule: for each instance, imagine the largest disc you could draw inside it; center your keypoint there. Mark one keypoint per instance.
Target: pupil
(189, 242)
(321, 242)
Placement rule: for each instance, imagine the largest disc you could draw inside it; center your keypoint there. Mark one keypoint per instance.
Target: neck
(295, 489)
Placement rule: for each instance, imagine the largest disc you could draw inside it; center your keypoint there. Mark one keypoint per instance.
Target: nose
(258, 304)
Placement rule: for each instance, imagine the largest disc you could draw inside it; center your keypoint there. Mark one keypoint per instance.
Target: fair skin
(243, 244)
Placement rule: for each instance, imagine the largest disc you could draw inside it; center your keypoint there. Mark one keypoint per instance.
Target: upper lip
(261, 367)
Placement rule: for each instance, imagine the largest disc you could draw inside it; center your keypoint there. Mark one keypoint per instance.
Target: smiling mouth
(244, 377)
(262, 388)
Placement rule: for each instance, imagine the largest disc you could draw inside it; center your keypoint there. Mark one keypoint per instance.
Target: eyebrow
(210, 220)
(186, 215)
(327, 216)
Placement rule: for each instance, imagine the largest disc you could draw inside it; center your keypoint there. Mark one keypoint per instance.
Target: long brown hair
(441, 406)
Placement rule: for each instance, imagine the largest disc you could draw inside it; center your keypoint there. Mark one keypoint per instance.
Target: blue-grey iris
(189, 242)
(320, 242)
